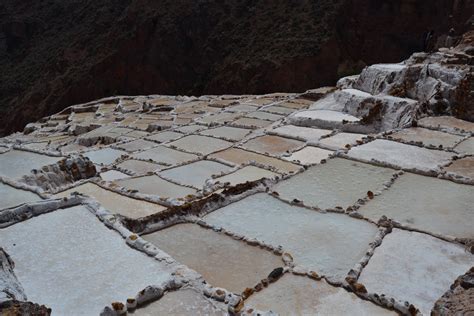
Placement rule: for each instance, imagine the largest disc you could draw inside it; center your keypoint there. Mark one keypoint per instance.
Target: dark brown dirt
(54, 53)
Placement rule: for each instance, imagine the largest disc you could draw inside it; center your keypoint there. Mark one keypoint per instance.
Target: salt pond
(330, 243)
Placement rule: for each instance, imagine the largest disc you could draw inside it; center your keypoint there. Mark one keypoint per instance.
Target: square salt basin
(16, 163)
(295, 295)
(248, 173)
(414, 267)
(164, 137)
(165, 155)
(340, 140)
(253, 123)
(154, 185)
(195, 174)
(104, 156)
(71, 262)
(138, 167)
(182, 302)
(135, 145)
(398, 155)
(227, 132)
(273, 145)
(302, 133)
(329, 243)
(11, 197)
(220, 259)
(265, 116)
(278, 110)
(326, 115)
(114, 202)
(466, 147)
(309, 155)
(190, 129)
(337, 183)
(239, 157)
(112, 175)
(200, 144)
(446, 122)
(242, 108)
(461, 168)
(219, 118)
(427, 137)
(431, 204)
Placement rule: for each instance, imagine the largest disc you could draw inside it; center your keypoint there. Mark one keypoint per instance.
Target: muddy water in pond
(222, 260)
(329, 243)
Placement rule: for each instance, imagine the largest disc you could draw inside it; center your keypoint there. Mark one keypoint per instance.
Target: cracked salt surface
(71, 262)
(16, 163)
(298, 295)
(114, 202)
(182, 302)
(339, 182)
(431, 204)
(220, 259)
(10, 196)
(414, 267)
(327, 243)
(401, 155)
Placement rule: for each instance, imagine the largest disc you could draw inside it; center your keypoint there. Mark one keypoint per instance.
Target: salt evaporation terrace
(250, 205)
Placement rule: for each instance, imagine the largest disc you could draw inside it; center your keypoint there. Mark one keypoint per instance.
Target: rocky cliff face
(56, 53)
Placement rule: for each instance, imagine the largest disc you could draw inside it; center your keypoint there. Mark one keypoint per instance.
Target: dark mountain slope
(54, 53)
